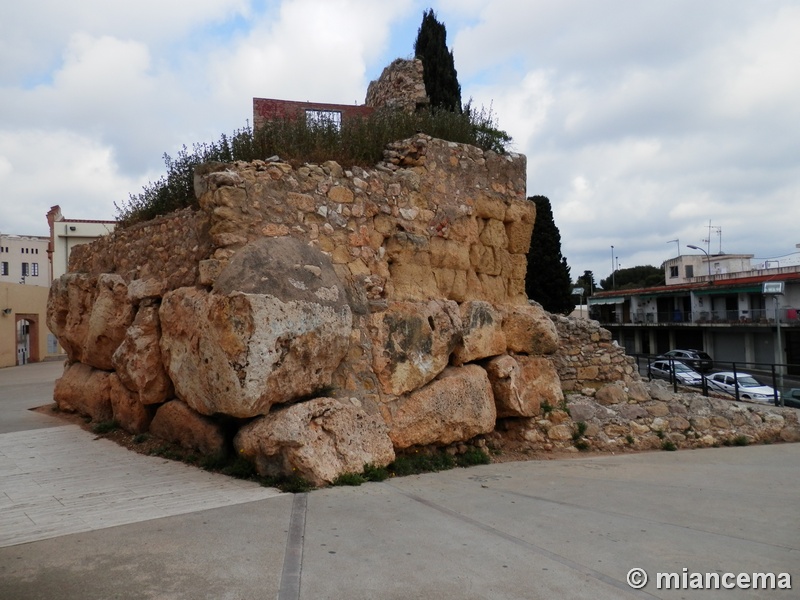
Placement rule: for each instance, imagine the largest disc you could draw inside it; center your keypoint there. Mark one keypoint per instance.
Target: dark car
(696, 359)
(792, 398)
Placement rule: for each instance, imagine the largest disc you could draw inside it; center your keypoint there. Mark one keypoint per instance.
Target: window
(324, 117)
(689, 271)
(673, 271)
(34, 269)
(4, 268)
(25, 269)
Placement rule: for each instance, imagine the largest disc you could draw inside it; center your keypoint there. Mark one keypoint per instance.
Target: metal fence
(785, 388)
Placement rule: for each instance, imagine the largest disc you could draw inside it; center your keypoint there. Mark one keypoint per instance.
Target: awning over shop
(749, 289)
(596, 301)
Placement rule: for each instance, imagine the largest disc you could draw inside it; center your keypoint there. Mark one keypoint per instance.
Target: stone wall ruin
(318, 319)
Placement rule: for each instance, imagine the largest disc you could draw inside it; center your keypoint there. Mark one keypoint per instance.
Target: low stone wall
(645, 416)
(167, 250)
(588, 357)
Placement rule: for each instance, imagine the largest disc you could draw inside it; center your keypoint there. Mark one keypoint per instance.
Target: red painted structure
(270, 109)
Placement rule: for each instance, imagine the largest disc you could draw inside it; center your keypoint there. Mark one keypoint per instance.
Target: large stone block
(481, 334)
(319, 439)
(529, 330)
(412, 342)
(112, 314)
(522, 383)
(89, 316)
(138, 359)
(175, 422)
(457, 406)
(85, 390)
(127, 408)
(274, 330)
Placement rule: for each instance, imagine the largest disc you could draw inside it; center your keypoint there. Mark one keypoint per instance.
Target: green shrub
(668, 445)
(239, 467)
(473, 456)
(373, 473)
(358, 142)
(353, 479)
(105, 427)
(740, 440)
(580, 429)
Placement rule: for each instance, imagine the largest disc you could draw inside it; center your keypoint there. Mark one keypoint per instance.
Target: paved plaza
(82, 518)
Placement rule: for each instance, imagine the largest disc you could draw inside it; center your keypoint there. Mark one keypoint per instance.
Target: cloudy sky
(643, 122)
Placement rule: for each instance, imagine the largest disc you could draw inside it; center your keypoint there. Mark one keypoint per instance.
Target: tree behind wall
(439, 74)
(548, 281)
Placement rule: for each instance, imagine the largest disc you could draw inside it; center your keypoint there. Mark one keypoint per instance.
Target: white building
(65, 234)
(23, 260)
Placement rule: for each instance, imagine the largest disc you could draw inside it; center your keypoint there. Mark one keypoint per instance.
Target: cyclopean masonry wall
(315, 320)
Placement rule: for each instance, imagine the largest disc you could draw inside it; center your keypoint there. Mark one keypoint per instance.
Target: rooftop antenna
(707, 241)
(676, 241)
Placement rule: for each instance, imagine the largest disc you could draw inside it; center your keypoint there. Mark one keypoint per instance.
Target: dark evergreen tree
(642, 276)
(440, 76)
(586, 281)
(548, 281)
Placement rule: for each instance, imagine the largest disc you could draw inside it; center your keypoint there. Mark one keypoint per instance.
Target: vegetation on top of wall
(358, 142)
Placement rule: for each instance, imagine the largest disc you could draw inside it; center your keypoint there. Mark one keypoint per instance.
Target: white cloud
(640, 120)
(57, 167)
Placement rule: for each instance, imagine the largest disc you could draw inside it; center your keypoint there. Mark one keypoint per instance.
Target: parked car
(792, 398)
(749, 387)
(696, 359)
(663, 369)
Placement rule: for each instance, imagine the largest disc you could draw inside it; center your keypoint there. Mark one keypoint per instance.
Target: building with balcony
(721, 303)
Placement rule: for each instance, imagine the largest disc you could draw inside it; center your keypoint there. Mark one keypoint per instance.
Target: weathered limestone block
(410, 267)
(412, 343)
(275, 329)
(319, 440)
(112, 314)
(69, 306)
(481, 334)
(129, 412)
(521, 383)
(457, 406)
(611, 393)
(529, 330)
(85, 390)
(637, 392)
(175, 422)
(145, 289)
(519, 221)
(138, 360)
(89, 316)
(560, 433)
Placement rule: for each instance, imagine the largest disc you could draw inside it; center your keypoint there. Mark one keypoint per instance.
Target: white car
(663, 369)
(749, 388)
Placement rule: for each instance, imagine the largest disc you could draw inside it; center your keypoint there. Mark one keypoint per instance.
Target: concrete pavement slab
(529, 530)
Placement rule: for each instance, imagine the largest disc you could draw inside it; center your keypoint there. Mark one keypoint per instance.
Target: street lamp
(708, 260)
(613, 272)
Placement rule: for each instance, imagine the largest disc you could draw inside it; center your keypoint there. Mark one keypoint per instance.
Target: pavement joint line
(293, 559)
(583, 569)
(640, 518)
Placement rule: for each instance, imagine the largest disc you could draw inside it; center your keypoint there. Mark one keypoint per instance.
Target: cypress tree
(548, 281)
(441, 79)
